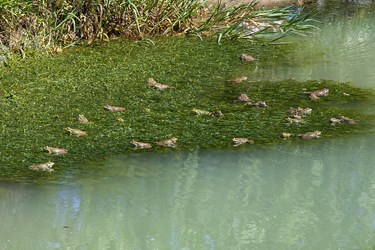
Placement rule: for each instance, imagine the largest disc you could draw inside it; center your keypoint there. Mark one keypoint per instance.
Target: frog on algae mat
(110, 103)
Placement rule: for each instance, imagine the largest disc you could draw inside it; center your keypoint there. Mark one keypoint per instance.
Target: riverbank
(30, 27)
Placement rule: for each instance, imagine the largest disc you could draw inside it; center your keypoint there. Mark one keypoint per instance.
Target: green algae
(38, 99)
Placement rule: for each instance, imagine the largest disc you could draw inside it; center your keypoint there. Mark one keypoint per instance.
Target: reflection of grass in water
(42, 98)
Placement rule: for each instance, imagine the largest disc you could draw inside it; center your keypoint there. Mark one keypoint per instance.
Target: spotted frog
(55, 151)
(47, 167)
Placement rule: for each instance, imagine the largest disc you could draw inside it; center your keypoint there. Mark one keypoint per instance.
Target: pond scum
(40, 99)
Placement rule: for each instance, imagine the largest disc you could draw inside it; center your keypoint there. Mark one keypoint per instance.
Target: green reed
(50, 25)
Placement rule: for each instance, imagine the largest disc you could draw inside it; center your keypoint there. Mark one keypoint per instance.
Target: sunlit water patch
(315, 195)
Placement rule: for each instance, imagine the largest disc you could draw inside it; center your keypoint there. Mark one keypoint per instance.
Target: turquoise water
(314, 195)
(317, 194)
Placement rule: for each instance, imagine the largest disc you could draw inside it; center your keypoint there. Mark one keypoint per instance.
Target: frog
(334, 121)
(138, 144)
(244, 98)
(75, 132)
(171, 143)
(152, 83)
(259, 104)
(348, 120)
(246, 58)
(342, 119)
(114, 108)
(55, 151)
(238, 80)
(237, 141)
(310, 135)
(293, 112)
(287, 135)
(47, 167)
(216, 113)
(82, 119)
(295, 120)
(200, 112)
(314, 95)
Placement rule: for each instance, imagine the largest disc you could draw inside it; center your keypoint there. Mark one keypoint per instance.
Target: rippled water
(317, 194)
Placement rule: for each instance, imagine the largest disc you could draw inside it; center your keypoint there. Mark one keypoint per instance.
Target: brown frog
(75, 132)
(295, 120)
(310, 135)
(314, 95)
(259, 104)
(171, 143)
(238, 80)
(138, 144)
(246, 58)
(47, 167)
(55, 151)
(348, 120)
(216, 113)
(114, 108)
(244, 98)
(342, 119)
(152, 83)
(301, 112)
(287, 135)
(200, 112)
(237, 141)
(334, 121)
(82, 119)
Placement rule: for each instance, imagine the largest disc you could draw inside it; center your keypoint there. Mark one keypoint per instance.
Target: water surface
(314, 195)
(343, 49)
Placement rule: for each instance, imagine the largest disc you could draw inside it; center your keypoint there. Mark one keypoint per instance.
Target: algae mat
(41, 98)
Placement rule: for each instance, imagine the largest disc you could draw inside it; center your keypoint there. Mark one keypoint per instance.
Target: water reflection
(342, 50)
(313, 195)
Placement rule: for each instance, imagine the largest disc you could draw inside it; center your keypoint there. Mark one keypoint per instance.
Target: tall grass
(50, 24)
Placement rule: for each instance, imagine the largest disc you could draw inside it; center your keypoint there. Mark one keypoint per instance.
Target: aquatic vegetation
(40, 98)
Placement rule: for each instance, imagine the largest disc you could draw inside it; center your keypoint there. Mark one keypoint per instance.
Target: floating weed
(38, 100)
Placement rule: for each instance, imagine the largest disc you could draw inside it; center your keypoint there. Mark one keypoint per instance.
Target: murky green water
(310, 195)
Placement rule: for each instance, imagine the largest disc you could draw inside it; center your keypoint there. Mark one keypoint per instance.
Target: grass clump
(50, 25)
